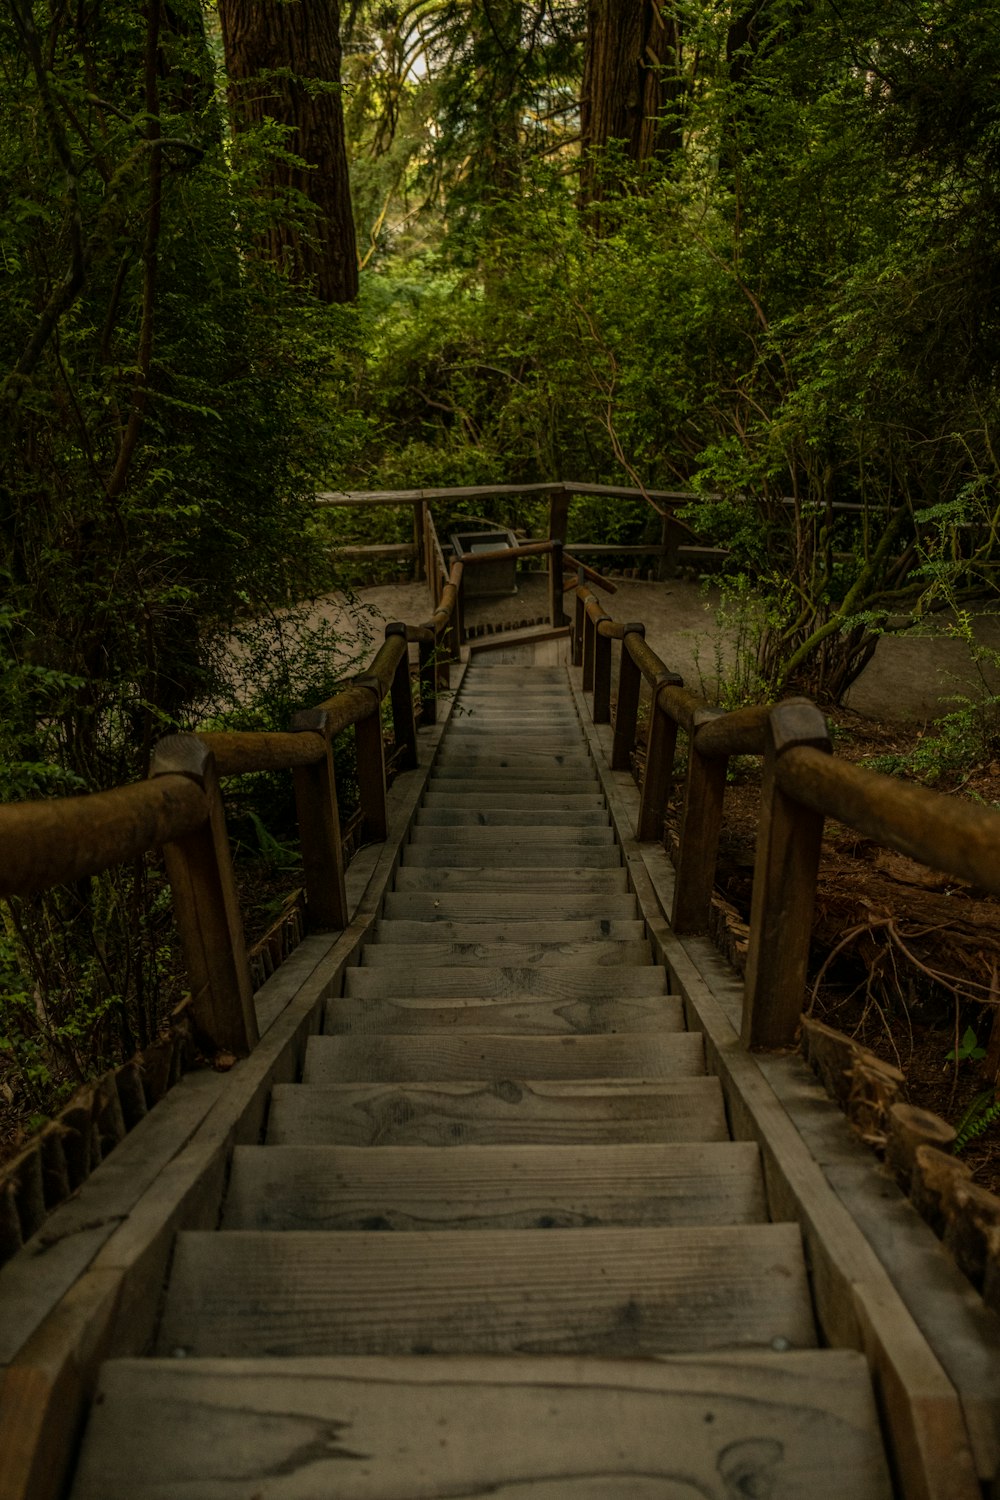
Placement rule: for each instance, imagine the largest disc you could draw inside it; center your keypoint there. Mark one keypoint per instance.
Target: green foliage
(976, 1119)
(967, 1049)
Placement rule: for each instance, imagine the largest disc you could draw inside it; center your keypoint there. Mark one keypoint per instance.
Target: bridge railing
(803, 785)
(179, 809)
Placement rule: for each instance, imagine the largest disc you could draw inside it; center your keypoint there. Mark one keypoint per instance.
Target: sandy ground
(911, 677)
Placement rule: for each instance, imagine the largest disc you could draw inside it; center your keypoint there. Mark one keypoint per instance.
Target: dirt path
(911, 677)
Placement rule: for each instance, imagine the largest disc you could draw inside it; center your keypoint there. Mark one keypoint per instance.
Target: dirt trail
(911, 677)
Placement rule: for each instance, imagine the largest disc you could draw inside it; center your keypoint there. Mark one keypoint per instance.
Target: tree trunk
(283, 62)
(631, 85)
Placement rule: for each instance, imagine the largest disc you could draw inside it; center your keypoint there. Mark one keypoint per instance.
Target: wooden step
(561, 883)
(599, 952)
(501, 1058)
(458, 800)
(550, 1112)
(502, 982)
(792, 1425)
(552, 762)
(455, 905)
(513, 817)
(508, 934)
(499, 786)
(453, 855)
(611, 1292)
(409, 1015)
(483, 839)
(493, 1187)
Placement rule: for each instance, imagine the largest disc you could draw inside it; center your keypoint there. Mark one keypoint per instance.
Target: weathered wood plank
(569, 880)
(460, 800)
(452, 855)
(410, 1015)
(493, 1187)
(503, 983)
(539, 816)
(505, 935)
(553, 1111)
(627, 1291)
(505, 905)
(597, 952)
(474, 836)
(500, 1059)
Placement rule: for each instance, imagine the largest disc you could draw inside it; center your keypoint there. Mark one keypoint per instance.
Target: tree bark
(631, 85)
(283, 62)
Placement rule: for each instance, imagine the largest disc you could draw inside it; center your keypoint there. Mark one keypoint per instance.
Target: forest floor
(904, 958)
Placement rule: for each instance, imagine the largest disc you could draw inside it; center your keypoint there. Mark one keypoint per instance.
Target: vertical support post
(403, 723)
(200, 871)
(602, 676)
(670, 537)
(318, 814)
(579, 616)
(458, 620)
(627, 711)
(370, 750)
(784, 886)
(701, 824)
(558, 515)
(427, 649)
(661, 746)
(589, 645)
(420, 538)
(556, 585)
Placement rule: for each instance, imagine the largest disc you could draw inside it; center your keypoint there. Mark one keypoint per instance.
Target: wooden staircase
(581, 1295)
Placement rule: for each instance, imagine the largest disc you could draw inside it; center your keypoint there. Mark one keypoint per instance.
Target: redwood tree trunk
(283, 62)
(631, 77)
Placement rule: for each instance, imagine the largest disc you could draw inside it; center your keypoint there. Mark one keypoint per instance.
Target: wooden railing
(803, 784)
(179, 809)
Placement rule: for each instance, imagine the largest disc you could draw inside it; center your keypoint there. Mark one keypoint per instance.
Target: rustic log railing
(803, 784)
(179, 809)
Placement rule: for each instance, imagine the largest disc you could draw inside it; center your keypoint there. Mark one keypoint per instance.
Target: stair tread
(796, 1424)
(636, 1292)
(485, 838)
(495, 818)
(415, 1015)
(450, 854)
(492, 1187)
(599, 951)
(493, 1058)
(507, 936)
(506, 980)
(456, 1114)
(551, 881)
(509, 906)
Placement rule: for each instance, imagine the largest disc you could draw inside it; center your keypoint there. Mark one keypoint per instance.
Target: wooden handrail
(803, 785)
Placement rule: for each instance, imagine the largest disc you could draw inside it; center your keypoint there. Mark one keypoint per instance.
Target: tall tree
(283, 62)
(632, 85)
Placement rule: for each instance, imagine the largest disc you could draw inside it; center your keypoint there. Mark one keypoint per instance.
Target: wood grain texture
(391, 932)
(793, 1425)
(503, 982)
(460, 800)
(524, 832)
(551, 1112)
(634, 1292)
(539, 816)
(500, 1059)
(409, 1015)
(569, 880)
(493, 1187)
(569, 853)
(599, 952)
(506, 905)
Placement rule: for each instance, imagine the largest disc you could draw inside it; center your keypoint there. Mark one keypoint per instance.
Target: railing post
(579, 617)
(701, 824)
(458, 620)
(556, 584)
(428, 679)
(784, 886)
(602, 676)
(320, 840)
(370, 750)
(200, 871)
(403, 723)
(661, 745)
(420, 537)
(627, 711)
(589, 641)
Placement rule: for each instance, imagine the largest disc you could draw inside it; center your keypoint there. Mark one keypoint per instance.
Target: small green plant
(967, 1050)
(977, 1118)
